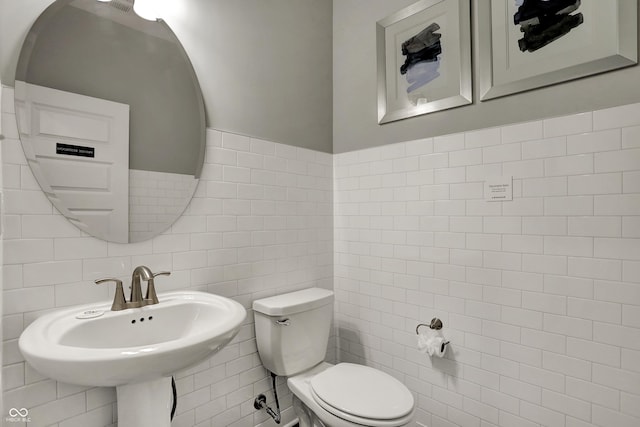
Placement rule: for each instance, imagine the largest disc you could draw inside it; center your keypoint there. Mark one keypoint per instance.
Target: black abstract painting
(545, 21)
(422, 61)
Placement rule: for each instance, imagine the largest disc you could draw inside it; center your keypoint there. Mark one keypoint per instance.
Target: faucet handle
(161, 273)
(151, 297)
(119, 301)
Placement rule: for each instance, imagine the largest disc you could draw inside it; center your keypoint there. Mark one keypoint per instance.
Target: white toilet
(292, 332)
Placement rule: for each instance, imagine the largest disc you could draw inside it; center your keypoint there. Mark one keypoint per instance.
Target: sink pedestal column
(146, 404)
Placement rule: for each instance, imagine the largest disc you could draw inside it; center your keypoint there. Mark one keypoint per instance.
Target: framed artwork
(424, 59)
(527, 44)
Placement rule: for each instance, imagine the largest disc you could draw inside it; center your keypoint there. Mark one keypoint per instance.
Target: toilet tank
(292, 330)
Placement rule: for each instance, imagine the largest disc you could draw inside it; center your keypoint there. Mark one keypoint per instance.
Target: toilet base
(306, 417)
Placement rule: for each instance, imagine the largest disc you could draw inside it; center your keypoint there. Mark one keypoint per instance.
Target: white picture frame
(511, 58)
(424, 59)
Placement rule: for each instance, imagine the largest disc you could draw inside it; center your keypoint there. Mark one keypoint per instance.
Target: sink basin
(94, 346)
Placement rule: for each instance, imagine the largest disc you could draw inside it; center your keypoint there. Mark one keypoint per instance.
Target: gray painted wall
(265, 71)
(265, 67)
(355, 91)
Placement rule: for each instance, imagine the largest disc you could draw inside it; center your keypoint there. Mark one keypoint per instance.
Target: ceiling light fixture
(146, 9)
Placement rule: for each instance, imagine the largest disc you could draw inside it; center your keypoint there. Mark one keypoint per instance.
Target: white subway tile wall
(156, 199)
(261, 223)
(540, 296)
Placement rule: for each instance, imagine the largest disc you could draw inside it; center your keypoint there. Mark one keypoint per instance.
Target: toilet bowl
(292, 332)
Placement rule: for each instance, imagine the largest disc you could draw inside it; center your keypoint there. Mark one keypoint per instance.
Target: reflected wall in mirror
(111, 118)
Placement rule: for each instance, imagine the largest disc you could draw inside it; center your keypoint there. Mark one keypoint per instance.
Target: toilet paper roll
(424, 341)
(432, 344)
(438, 347)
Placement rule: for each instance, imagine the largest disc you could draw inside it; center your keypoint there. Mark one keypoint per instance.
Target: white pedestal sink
(136, 350)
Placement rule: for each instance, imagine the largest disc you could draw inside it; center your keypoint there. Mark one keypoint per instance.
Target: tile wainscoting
(540, 296)
(155, 200)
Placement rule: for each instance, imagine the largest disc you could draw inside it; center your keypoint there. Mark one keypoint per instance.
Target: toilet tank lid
(293, 302)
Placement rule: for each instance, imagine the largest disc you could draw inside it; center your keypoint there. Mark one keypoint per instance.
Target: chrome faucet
(135, 299)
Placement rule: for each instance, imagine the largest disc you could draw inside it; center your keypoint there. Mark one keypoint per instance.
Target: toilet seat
(362, 395)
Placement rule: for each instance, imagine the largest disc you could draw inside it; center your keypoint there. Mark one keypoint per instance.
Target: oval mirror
(111, 118)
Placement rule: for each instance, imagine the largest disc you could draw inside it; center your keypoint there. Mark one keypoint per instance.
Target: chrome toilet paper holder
(436, 325)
